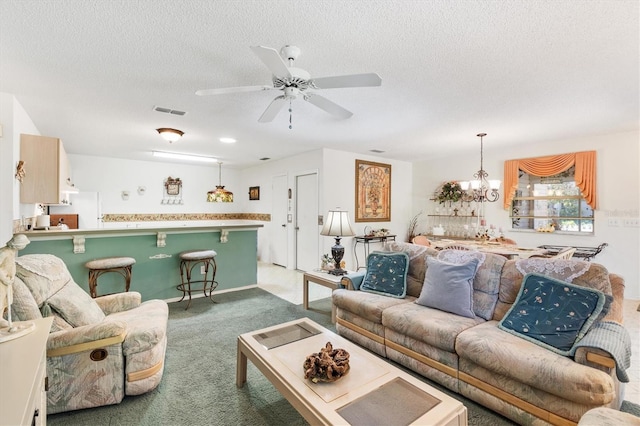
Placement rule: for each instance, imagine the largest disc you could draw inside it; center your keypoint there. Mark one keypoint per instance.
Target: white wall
(618, 192)
(262, 175)
(339, 191)
(336, 188)
(14, 121)
(111, 176)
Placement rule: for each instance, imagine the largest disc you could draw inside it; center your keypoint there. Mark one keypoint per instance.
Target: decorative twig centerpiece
(328, 365)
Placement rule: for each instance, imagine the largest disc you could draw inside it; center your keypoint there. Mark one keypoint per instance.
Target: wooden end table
(322, 278)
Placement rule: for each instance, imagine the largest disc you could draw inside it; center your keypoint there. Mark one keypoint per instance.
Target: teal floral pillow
(552, 313)
(386, 274)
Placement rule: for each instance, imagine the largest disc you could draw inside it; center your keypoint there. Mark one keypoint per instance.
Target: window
(541, 202)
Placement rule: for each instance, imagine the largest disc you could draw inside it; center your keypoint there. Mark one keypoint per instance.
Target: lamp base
(337, 271)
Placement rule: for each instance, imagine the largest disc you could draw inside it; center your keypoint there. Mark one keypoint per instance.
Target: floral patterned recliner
(99, 349)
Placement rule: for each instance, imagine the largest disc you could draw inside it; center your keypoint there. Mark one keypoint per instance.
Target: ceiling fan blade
(272, 110)
(272, 60)
(353, 80)
(225, 90)
(328, 106)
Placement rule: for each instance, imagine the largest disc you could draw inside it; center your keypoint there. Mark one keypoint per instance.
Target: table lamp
(337, 225)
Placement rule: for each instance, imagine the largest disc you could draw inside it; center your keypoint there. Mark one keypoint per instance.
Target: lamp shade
(337, 224)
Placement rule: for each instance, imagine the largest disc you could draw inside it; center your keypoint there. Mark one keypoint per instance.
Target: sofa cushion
(366, 305)
(486, 283)
(417, 264)
(552, 313)
(75, 306)
(508, 355)
(386, 274)
(431, 326)
(449, 286)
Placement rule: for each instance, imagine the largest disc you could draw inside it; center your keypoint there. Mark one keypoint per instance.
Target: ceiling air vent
(376, 151)
(168, 110)
(265, 159)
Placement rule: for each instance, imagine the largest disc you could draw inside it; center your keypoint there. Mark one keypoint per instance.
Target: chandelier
(480, 189)
(220, 195)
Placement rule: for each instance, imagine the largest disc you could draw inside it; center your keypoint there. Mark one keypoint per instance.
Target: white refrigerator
(88, 207)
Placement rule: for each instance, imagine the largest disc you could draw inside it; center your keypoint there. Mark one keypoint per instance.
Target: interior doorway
(306, 216)
(278, 243)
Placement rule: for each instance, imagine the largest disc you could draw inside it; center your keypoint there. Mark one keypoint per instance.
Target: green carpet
(198, 387)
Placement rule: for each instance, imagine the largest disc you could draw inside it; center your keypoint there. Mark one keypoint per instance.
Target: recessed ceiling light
(227, 140)
(188, 157)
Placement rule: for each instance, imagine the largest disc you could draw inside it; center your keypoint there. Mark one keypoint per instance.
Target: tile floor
(287, 284)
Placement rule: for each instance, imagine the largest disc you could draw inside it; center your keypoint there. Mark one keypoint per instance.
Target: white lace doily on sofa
(461, 256)
(561, 269)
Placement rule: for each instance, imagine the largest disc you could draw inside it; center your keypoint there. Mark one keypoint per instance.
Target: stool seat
(198, 254)
(206, 259)
(97, 267)
(110, 262)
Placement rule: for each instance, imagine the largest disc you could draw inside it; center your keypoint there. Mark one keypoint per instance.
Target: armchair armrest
(119, 302)
(85, 338)
(354, 279)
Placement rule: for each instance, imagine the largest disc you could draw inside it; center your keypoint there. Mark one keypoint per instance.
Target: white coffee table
(373, 392)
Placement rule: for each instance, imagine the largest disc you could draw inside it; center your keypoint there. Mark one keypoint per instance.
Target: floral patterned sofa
(473, 355)
(99, 349)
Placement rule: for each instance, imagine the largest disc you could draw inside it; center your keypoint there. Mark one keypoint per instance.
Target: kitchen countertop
(145, 228)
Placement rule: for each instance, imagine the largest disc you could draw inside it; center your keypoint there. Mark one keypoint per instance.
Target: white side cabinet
(23, 397)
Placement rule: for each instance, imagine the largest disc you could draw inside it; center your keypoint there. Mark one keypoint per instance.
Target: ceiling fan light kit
(296, 82)
(169, 134)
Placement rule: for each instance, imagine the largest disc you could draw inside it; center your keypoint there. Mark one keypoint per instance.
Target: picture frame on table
(373, 192)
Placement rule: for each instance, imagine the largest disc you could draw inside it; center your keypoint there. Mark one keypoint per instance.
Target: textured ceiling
(91, 71)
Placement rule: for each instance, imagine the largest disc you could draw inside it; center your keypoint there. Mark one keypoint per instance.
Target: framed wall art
(254, 193)
(373, 192)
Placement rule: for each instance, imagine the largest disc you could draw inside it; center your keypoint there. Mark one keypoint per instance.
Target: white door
(278, 247)
(307, 230)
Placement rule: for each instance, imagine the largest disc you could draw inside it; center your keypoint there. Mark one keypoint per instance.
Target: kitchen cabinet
(47, 175)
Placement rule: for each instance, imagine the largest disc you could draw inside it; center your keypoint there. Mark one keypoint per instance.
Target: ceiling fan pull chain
(290, 110)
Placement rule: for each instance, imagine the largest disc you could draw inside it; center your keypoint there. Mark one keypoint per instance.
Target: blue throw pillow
(552, 313)
(449, 286)
(386, 274)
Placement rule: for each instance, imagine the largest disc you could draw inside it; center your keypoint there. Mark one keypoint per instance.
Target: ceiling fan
(294, 82)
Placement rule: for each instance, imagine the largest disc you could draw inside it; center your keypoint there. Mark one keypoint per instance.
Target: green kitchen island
(156, 249)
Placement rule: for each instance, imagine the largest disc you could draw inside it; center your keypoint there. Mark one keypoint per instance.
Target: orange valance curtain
(585, 173)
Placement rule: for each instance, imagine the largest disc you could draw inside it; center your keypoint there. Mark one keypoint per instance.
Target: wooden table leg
(241, 367)
(305, 293)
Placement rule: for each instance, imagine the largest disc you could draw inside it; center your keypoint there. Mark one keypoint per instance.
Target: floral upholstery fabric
(608, 417)
(75, 380)
(460, 352)
(365, 305)
(432, 326)
(52, 287)
(417, 263)
(534, 365)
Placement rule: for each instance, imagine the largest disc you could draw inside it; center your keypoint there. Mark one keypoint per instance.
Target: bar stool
(97, 267)
(189, 260)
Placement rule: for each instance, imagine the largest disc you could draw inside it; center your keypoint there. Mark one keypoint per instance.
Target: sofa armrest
(354, 279)
(596, 358)
(85, 338)
(119, 302)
